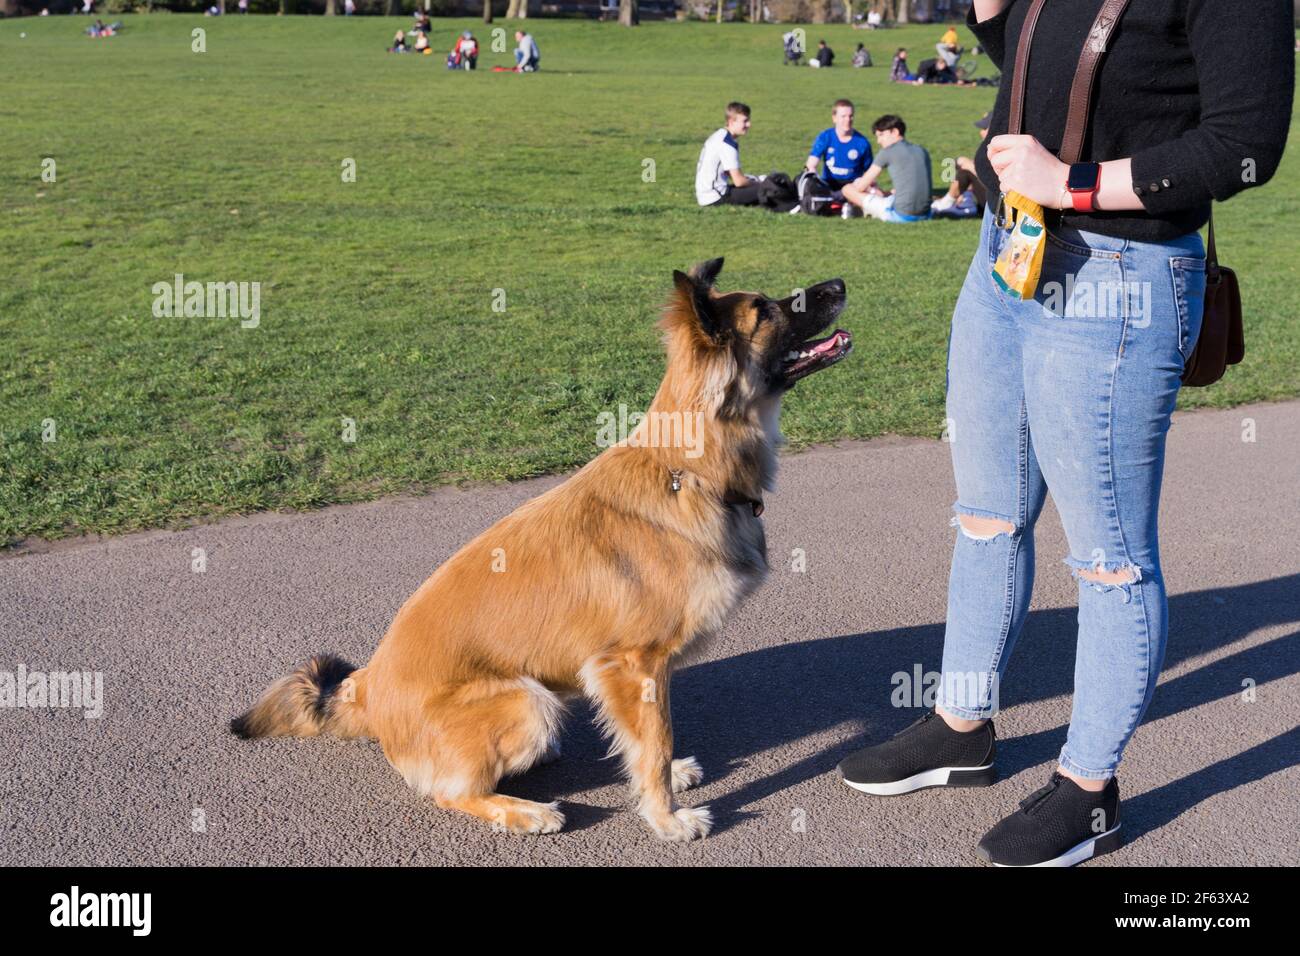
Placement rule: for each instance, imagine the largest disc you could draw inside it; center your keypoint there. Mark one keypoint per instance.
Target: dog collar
(736, 498)
(731, 497)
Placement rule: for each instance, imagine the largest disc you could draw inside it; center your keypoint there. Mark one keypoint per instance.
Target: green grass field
(377, 295)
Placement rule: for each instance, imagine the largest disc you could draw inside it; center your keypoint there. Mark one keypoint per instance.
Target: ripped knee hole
(984, 529)
(1125, 575)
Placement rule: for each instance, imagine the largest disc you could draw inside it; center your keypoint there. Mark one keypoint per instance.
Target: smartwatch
(1082, 184)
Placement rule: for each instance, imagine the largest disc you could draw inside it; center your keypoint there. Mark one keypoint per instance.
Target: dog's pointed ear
(706, 273)
(694, 297)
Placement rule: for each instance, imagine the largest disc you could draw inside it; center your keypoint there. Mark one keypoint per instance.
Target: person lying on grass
(937, 72)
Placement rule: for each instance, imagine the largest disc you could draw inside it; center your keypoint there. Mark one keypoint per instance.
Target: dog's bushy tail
(320, 697)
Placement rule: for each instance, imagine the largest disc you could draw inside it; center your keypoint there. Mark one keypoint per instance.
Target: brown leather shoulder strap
(1076, 123)
(1016, 120)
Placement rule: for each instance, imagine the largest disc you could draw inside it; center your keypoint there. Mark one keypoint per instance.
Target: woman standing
(1071, 391)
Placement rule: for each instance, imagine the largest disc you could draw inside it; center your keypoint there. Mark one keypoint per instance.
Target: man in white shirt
(718, 177)
(527, 56)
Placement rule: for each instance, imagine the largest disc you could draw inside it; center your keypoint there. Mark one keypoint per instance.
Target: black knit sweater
(1197, 92)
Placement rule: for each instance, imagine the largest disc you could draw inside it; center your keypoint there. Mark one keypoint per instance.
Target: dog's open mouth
(815, 355)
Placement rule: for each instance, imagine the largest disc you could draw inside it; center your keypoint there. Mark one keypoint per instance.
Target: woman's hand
(1024, 166)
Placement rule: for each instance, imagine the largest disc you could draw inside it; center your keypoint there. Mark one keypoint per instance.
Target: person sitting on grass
(909, 170)
(527, 56)
(825, 55)
(861, 56)
(718, 178)
(845, 151)
(399, 43)
(466, 51)
(948, 49)
(966, 195)
(898, 71)
(422, 43)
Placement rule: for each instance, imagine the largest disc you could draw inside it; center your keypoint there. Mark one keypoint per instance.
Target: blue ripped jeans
(1070, 392)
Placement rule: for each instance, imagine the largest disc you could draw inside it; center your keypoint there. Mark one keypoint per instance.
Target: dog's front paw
(687, 773)
(529, 817)
(680, 826)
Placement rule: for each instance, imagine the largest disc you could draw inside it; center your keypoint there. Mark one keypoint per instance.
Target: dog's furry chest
(725, 583)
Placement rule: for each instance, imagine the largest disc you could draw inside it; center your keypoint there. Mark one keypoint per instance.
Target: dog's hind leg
(478, 733)
(630, 691)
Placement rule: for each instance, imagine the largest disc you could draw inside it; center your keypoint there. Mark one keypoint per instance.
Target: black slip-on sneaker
(927, 753)
(1060, 824)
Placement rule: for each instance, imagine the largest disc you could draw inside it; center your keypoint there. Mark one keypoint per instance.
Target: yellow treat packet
(1021, 261)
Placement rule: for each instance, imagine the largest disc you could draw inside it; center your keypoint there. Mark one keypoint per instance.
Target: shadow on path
(728, 711)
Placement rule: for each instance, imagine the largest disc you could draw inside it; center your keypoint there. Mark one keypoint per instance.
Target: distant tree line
(629, 11)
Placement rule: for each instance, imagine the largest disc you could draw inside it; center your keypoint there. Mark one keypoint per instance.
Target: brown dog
(595, 587)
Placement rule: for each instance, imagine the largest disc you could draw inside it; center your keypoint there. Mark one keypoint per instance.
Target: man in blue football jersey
(845, 151)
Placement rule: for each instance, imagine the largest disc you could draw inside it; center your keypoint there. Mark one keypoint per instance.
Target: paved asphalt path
(799, 675)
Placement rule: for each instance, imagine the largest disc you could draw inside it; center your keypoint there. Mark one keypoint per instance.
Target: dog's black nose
(833, 286)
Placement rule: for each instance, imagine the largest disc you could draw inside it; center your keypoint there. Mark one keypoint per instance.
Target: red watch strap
(1085, 200)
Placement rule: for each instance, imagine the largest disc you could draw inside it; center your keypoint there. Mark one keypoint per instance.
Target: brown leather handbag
(1222, 340)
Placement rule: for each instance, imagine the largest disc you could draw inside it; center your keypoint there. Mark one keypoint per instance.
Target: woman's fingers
(1013, 160)
(1006, 141)
(1002, 160)
(1011, 151)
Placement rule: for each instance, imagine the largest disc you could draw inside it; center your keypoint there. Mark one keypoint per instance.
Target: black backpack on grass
(815, 197)
(778, 193)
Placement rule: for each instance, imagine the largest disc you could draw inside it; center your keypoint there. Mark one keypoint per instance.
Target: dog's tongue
(835, 340)
(817, 354)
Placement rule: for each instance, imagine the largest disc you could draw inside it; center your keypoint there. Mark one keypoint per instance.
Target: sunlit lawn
(377, 296)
